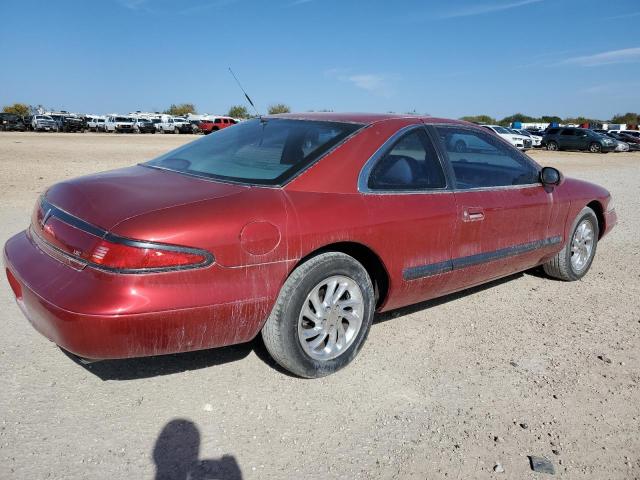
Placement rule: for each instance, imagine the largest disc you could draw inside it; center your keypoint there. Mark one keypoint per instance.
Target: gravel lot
(450, 388)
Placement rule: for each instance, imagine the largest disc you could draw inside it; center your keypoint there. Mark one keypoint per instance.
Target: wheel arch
(598, 209)
(369, 259)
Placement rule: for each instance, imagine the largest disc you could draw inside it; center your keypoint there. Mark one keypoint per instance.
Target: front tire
(322, 316)
(595, 147)
(574, 260)
(552, 146)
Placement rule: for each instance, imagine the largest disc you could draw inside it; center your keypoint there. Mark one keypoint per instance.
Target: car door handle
(472, 214)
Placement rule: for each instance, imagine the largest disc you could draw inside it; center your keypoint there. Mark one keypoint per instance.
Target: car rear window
(259, 151)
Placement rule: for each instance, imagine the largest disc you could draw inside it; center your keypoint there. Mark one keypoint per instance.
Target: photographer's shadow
(176, 455)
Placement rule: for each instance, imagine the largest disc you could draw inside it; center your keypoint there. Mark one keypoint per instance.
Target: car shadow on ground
(146, 367)
(176, 455)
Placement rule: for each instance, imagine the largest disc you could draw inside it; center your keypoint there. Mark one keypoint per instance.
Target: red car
(218, 123)
(298, 227)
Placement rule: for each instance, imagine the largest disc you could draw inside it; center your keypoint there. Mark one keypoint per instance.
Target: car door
(503, 211)
(568, 139)
(407, 196)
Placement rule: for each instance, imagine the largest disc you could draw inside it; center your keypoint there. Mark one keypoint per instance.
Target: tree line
(629, 118)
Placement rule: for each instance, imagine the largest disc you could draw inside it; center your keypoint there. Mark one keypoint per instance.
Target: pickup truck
(118, 124)
(11, 122)
(216, 123)
(43, 123)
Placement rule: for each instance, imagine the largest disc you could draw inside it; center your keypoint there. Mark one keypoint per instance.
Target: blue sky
(565, 57)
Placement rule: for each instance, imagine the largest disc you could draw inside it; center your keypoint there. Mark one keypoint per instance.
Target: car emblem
(45, 218)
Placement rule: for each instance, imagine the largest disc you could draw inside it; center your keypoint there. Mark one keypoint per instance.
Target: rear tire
(564, 266)
(289, 335)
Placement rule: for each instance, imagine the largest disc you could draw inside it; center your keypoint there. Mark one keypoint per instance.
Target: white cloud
(626, 55)
(481, 9)
(377, 84)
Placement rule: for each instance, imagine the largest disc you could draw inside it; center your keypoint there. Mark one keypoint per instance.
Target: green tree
(629, 118)
(482, 119)
(516, 117)
(238, 111)
(20, 109)
(550, 119)
(279, 108)
(180, 109)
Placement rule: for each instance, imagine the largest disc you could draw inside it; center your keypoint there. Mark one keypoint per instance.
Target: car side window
(567, 132)
(481, 160)
(411, 164)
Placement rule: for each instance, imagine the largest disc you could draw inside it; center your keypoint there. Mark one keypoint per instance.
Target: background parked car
(519, 141)
(43, 123)
(11, 122)
(633, 133)
(571, 138)
(72, 123)
(144, 125)
(166, 125)
(630, 140)
(182, 125)
(216, 123)
(536, 140)
(119, 124)
(195, 125)
(93, 122)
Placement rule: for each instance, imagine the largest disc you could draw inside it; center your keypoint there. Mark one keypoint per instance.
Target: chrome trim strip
(422, 271)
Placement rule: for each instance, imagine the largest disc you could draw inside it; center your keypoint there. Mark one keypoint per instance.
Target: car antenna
(245, 93)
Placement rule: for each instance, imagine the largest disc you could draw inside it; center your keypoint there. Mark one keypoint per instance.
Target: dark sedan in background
(571, 138)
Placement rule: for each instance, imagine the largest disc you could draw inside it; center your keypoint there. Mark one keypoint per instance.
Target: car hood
(109, 198)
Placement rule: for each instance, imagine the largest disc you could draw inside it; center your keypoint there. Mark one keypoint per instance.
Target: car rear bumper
(100, 315)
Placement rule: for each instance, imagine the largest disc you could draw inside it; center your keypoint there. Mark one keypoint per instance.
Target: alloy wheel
(331, 318)
(582, 245)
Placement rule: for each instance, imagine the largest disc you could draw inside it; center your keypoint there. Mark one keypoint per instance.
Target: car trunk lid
(108, 198)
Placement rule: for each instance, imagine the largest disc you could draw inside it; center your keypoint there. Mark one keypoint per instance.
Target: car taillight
(142, 256)
(82, 244)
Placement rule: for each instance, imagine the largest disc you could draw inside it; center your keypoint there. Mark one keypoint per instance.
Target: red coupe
(298, 227)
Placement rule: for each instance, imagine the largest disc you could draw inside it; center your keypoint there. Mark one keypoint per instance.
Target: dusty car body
(164, 257)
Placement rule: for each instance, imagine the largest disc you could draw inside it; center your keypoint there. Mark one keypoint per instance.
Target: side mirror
(550, 176)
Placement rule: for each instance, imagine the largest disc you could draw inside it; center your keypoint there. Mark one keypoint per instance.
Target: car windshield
(123, 119)
(260, 151)
(501, 130)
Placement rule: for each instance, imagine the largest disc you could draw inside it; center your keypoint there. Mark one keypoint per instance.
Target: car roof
(364, 118)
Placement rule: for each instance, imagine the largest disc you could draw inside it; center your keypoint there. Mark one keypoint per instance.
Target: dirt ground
(446, 389)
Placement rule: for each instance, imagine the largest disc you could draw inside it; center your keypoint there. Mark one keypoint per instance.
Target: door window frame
(444, 154)
(387, 147)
